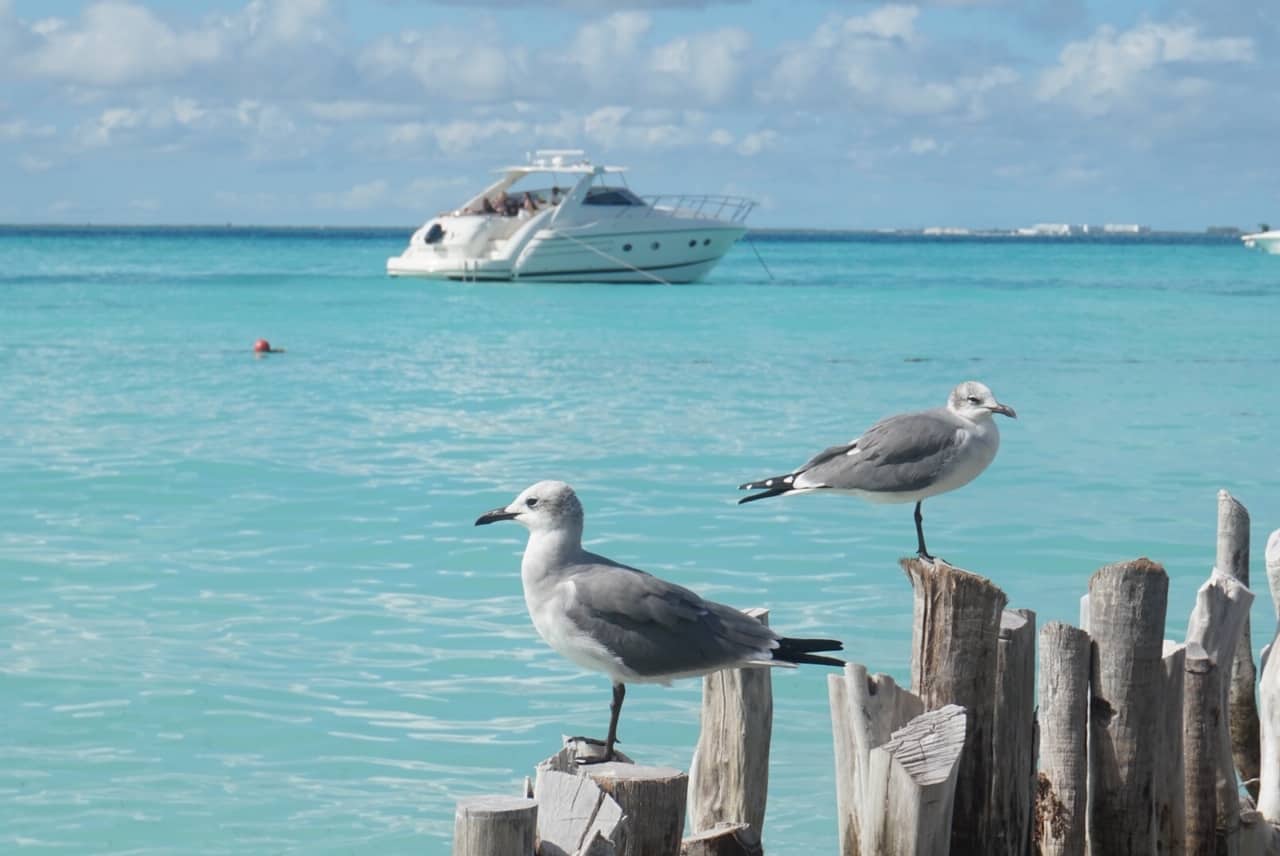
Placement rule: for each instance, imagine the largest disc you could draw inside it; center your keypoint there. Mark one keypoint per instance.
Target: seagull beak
(494, 516)
(1005, 409)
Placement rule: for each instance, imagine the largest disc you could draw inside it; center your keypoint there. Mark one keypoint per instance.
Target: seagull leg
(921, 551)
(615, 709)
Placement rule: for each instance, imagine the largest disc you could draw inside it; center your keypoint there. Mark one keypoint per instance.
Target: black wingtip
(777, 491)
(801, 651)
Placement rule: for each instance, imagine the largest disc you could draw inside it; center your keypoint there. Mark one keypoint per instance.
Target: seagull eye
(973, 399)
(531, 501)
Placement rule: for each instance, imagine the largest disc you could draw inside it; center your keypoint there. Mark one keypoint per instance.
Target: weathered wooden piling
(729, 773)
(723, 839)
(1233, 560)
(1202, 717)
(1170, 793)
(487, 825)
(1222, 604)
(954, 657)
(1062, 789)
(1126, 621)
(1013, 774)
(1269, 698)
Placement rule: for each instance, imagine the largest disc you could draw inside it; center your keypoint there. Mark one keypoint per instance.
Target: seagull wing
(903, 453)
(659, 629)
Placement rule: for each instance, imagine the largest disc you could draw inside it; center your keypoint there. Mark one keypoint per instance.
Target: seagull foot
(589, 750)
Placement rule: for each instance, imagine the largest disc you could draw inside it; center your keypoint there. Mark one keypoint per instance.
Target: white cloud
(23, 129)
(757, 141)
(118, 43)
(708, 63)
(603, 48)
(361, 197)
(34, 163)
(447, 64)
(720, 137)
(1110, 66)
(922, 145)
(877, 60)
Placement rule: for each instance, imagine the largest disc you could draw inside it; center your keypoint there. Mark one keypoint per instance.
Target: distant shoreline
(1211, 235)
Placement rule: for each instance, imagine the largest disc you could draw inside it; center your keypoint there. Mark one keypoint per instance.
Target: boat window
(626, 248)
(611, 196)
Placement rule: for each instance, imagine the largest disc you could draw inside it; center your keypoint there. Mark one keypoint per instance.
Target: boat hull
(1267, 242)
(679, 254)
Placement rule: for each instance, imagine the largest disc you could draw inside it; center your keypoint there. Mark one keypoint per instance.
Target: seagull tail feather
(801, 651)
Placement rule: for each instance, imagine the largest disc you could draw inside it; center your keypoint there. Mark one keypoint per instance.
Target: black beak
(1005, 409)
(494, 516)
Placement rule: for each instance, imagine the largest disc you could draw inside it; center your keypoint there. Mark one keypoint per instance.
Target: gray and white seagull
(904, 458)
(631, 625)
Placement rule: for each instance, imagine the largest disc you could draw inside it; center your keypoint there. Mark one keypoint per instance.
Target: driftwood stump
(1126, 620)
(1269, 698)
(723, 839)
(1202, 717)
(1242, 705)
(1013, 773)
(486, 825)
(954, 656)
(1063, 786)
(1171, 819)
(729, 774)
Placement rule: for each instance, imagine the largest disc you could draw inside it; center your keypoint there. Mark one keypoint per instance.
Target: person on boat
(486, 207)
(528, 204)
(555, 195)
(503, 204)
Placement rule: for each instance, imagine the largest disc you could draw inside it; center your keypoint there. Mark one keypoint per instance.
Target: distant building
(946, 230)
(1125, 229)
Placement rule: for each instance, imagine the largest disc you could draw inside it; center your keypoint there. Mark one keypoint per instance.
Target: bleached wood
(1062, 791)
(1084, 613)
(490, 824)
(1233, 560)
(652, 800)
(1202, 719)
(954, 641)
(911, 786)
(1222, 603)
(723, 839)
(1171, 821)
(865, 712)
(573, 811)
(1269, 699)
(1013, 773)
(1126, 615)
(729, 773)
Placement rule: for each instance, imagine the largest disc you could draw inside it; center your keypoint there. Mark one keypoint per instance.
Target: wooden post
(954, 641)
(1202, 712)
(723, 839)
(1013, 772)
(729, 774)
(911, 786)
(486, 825)
(1126, 618)
(1062, 790)
(652, 800)
(865, 711)
(1269, 698)
(1171, 820)
(1233, 560)
(575, 812)
(1221, 606)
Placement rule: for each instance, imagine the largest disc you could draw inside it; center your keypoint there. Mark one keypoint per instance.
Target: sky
(848, 115)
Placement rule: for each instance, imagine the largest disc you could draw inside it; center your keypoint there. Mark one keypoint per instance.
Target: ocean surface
(243, 605)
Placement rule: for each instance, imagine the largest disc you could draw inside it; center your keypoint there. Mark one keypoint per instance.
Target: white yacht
(562, 218)
(1268, 241)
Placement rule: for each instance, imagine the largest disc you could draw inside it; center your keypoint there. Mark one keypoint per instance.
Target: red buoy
(262, 346)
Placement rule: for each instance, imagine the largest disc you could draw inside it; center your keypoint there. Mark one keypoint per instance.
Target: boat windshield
(611, 196)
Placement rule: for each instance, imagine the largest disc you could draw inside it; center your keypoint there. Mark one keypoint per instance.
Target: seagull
(631, 625)
(904, 458)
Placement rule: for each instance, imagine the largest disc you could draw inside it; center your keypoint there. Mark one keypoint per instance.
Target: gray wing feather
(658, 628)
(906, 452)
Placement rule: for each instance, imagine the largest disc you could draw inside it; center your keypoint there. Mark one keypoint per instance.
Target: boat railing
(734, 209)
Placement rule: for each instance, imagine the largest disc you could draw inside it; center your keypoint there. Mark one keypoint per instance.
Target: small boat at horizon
(591, 228)
(1267, 240)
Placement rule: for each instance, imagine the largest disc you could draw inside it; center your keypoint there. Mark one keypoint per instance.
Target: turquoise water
(243, 608)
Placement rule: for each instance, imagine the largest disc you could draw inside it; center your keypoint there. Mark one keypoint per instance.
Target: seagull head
(974, 400)
(544, 507)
